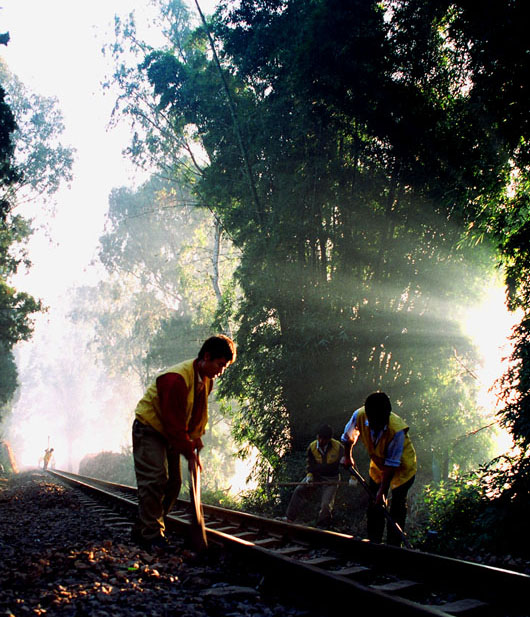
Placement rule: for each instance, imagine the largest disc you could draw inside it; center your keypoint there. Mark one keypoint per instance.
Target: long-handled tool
(198, 530)
(356, 474)
(317, 483)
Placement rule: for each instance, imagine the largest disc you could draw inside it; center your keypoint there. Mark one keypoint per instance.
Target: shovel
(198, 530)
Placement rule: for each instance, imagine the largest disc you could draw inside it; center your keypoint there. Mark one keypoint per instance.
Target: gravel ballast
(59, 558)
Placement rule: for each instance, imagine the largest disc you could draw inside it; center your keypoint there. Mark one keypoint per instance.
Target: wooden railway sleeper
(267, 542)
(289, 550)
(405, 588)
(246, 535)
(467, 607)
(357, 573)
(323, 560)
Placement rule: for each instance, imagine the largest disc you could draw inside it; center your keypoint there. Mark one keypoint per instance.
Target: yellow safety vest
(377, 452)
(332, 455)
(330, 461)
(148, 409)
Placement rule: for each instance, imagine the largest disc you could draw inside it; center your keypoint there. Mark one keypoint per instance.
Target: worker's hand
(346, 461)
(184, 445)
(308, 479)
(197, 444)
(194, 461)
(380, 498)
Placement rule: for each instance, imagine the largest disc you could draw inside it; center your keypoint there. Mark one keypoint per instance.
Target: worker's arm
(173, 397)
(311, 465)
(384, 487)
(349, 439)
(394, 452)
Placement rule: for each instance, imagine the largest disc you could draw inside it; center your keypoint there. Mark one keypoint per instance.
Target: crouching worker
(323, 460)
(170, 421)
(392, 462)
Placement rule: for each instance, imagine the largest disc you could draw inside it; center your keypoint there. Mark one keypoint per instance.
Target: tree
(350, 230)
(33, 163)
(497, 53)
(159, 256)
(156, 306)
(42, 160)
(15, 308)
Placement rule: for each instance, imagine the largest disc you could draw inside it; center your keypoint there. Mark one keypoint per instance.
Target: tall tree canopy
(163, 258)
(354, 153)
(335, 167)
(33, 164)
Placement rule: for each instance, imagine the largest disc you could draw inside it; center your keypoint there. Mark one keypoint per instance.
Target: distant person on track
(392, 462)
(48, 453)
(170, 420)
(323, 460)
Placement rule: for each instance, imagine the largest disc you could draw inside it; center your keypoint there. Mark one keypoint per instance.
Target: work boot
(157, 545)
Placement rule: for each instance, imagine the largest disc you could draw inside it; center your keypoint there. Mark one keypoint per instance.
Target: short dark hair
(378, 406)
(219, 346)
(325, 431)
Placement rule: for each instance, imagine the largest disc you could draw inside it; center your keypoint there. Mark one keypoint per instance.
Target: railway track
(329, 570)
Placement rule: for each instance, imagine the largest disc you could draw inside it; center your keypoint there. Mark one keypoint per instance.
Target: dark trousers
(398, 512)
(158, 476)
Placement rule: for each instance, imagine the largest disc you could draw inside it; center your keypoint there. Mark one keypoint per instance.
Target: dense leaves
(350, 242)
(8, 173)
(369, 162)
(33, 164)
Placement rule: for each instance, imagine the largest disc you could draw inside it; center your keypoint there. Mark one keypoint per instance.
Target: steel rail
(347, 569)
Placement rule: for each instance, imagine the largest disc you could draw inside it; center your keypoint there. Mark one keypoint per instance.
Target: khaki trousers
(158, 477)
(305, 491)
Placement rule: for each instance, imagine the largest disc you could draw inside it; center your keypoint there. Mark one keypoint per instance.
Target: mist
(65, 399)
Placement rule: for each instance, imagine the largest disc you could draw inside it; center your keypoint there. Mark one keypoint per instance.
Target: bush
(216, 497)
(450, 515)
(110, 466)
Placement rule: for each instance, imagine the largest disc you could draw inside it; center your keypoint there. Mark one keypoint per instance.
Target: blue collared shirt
(394, 450)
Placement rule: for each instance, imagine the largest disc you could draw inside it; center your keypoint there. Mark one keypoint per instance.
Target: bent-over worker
(392, 462)
(48, 453)
(170, 420)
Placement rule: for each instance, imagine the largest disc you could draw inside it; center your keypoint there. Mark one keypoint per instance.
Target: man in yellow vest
(323, 461)
(392, 461)
(170, 420)
(48, 453)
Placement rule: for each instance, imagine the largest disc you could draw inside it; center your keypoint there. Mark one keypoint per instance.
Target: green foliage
(449, 515)
(110, 466)
(33, 164)
(479, 511)
(176, 340)
(515, 386)
(352, 263)
(262, 502)
(43, 162)
(8, 174)
(125, 318)
(344, 163)
(512, 480)
(221, 498)
(8, 377)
